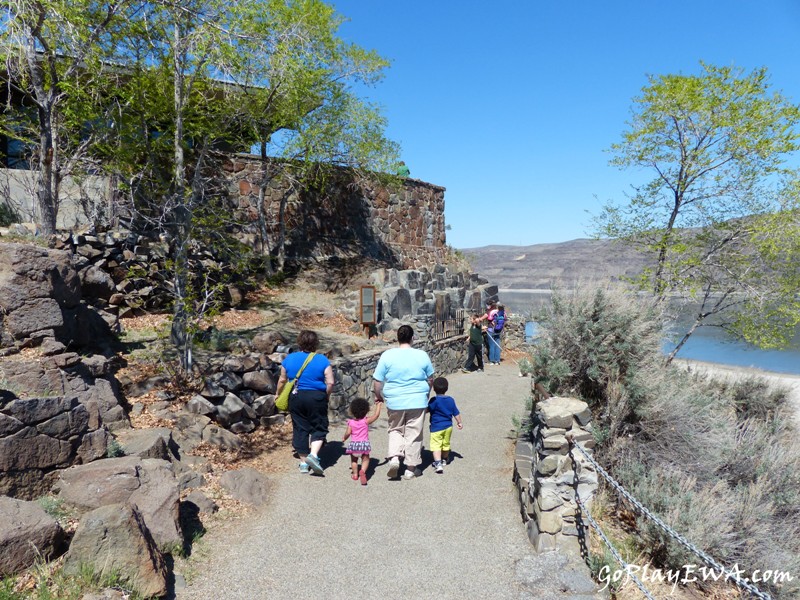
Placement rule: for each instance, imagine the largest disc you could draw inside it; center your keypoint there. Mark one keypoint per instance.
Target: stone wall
(346, 217)
(354, 373)
(547, 477)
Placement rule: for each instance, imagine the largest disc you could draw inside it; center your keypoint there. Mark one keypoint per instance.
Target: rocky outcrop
(55, 405)
(149, 484)
(40, 298)
(125, 274)
(114, 540)
(40, 435)
(26, 533)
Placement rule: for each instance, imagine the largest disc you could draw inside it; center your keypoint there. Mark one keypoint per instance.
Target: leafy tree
(210, 76)
(720, 215)
(56, 55)
(296, 77)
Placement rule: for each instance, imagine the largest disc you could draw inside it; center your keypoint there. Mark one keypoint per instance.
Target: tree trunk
(46, 203)
(180, 334)
(262, 222)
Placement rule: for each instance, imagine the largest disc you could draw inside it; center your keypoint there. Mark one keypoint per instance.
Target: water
(710, 344)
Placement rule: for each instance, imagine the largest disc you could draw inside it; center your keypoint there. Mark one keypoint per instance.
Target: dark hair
(500, 307)
(440, 385)
(307, 340)
(405, 334)
(359, 408)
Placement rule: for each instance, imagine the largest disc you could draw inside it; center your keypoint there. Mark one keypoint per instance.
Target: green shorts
(440, 440)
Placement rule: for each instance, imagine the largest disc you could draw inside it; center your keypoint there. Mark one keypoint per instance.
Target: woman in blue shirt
(308, 402)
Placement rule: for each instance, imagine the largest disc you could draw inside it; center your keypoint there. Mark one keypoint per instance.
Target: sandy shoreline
(787, 380)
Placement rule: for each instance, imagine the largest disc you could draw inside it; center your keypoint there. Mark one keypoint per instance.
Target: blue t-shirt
(404, 373)
(313, 376)
(442, 409)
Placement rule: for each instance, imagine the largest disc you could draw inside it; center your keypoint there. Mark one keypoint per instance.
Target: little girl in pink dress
(358, 432)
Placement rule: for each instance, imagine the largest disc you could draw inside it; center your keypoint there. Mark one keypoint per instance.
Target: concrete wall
(81, 200)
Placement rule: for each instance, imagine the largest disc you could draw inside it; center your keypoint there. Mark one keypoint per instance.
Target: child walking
(358, 432)
(442, 410)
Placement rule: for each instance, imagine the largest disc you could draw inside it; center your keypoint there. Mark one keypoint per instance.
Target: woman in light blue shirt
(403, 379)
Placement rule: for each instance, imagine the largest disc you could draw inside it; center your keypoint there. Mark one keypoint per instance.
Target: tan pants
(405, 435)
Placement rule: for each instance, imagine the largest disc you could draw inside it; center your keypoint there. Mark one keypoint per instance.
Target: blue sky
(512, 105)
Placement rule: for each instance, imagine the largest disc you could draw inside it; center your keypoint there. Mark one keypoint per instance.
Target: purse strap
(300, 372)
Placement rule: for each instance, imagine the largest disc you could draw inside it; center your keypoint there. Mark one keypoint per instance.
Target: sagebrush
(717, 460)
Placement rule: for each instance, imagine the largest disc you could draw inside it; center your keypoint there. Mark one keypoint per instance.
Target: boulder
(558, 412)
(264, 405)
(26, 533)
(204, 504)
(28, 271)
(146, 443)
(149, 484)
(261, 381)
(100, 483)
(233, 409)
(222, 438)
(96, 283)
(94, 445)
(114, 540)
(28, 449)
(267, 342)
(200, 406)
(158, 499)
(246, 485)
(397, 302)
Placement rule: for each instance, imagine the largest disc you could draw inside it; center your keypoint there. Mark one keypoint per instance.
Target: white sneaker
(439, 466)
(410, 474)
(394, 467)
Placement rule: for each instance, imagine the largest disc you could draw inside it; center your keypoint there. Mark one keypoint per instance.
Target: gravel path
(456, 535)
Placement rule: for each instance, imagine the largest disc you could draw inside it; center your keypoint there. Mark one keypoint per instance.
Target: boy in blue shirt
(442, 410)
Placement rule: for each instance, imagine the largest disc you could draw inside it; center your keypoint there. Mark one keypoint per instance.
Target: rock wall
(346, 216)
(547, 477)
(55, 405)
(354, 373)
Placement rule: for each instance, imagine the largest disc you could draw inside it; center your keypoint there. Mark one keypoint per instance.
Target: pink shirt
(359, 430)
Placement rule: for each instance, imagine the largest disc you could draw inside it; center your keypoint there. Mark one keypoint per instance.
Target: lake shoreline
(718, 370)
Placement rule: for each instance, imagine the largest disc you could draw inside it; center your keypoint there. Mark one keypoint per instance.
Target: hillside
(542, 266)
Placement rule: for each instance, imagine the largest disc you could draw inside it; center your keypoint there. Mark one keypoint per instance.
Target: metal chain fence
(728, 573)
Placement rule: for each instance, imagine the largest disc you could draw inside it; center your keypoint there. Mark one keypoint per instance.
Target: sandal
(354, 476)
(363, 477)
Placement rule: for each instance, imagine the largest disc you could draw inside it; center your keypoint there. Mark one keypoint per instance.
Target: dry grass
(236, 319)
(149, 322)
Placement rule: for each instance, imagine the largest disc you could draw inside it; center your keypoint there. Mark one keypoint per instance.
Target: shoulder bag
(282, 401)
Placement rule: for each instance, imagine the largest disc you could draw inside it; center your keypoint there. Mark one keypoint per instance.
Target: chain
(729, 574)
(585, 512)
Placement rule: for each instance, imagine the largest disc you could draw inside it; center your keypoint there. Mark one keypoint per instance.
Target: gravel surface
(455, 535)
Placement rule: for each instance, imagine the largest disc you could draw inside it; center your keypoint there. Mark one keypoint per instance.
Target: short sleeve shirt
(313, 376)
(442, 409)
(404, 373)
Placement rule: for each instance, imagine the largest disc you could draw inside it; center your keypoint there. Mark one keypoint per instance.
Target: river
(709, 344)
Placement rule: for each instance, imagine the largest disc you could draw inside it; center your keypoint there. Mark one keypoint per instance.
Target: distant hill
(543, 266)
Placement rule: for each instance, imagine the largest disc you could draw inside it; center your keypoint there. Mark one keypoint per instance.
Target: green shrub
(601, 345)
(114, 449)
